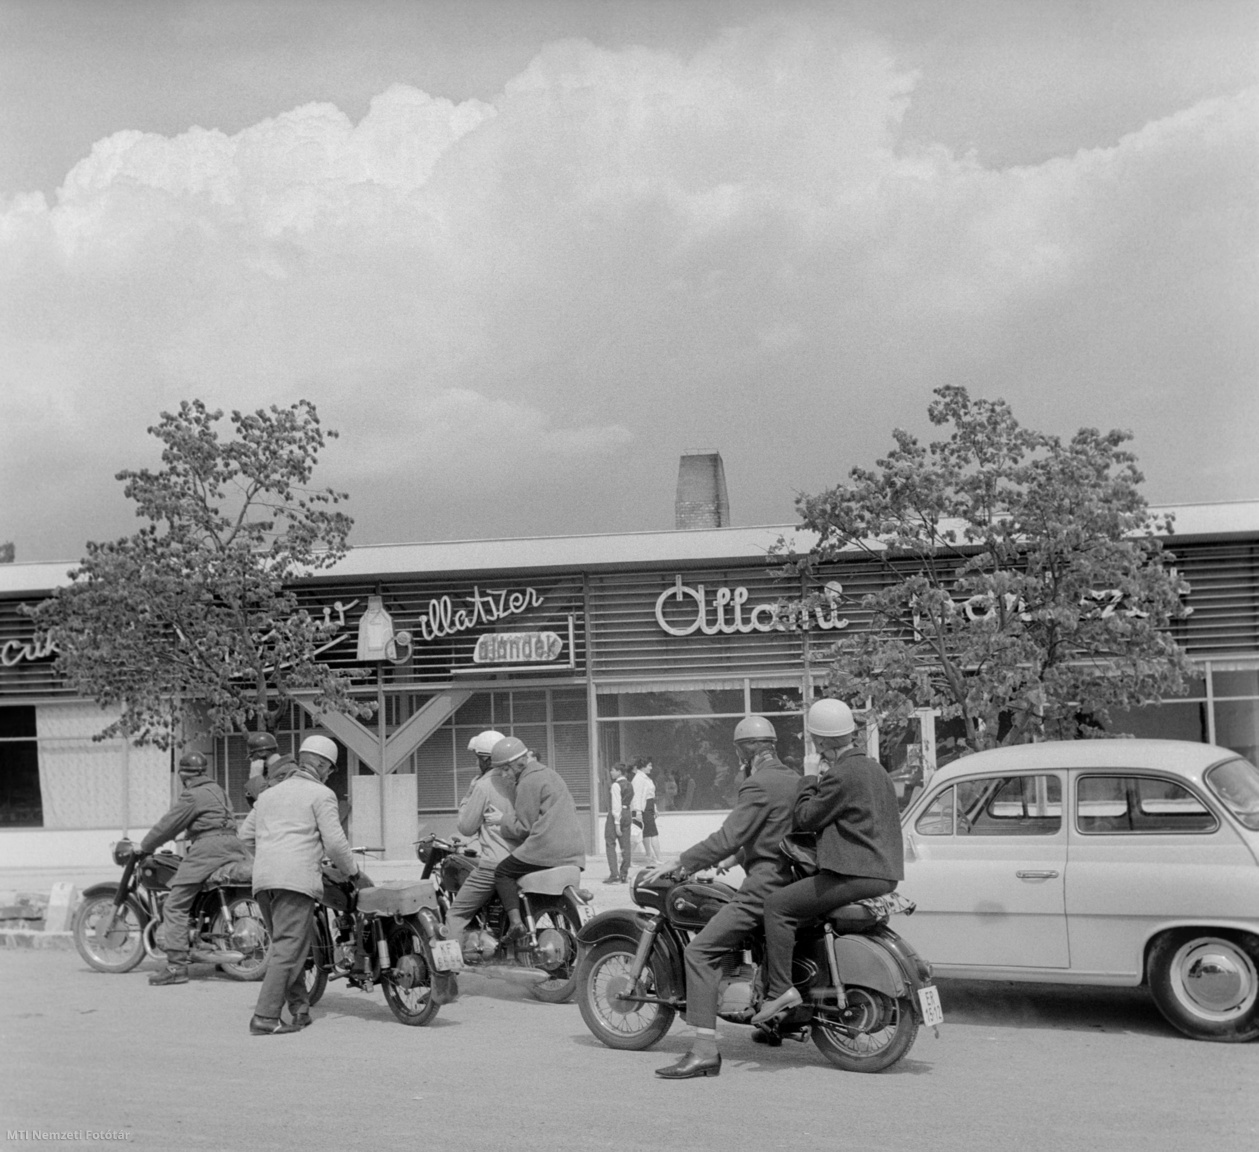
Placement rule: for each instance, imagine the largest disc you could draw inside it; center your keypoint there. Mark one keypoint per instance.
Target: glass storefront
(688, 736)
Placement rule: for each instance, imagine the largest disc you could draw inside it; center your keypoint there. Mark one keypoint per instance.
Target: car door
(1146, 850)
(985, 864)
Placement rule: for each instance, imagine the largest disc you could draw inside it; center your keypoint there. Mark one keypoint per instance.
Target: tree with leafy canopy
(197, 608)
(1025, 592)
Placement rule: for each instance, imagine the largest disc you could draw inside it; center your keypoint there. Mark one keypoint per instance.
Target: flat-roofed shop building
(591, 649)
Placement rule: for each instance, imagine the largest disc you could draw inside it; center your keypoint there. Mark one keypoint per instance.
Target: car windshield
(1236, 782)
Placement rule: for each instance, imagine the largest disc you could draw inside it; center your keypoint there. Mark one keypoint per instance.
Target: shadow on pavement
(1074, 1008)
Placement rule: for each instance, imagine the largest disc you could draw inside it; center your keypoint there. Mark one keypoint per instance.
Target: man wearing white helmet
(852, 807)
(751, 833)
(292, 826)
(484, 808)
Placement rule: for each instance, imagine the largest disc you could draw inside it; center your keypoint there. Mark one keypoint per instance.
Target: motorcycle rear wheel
(318, 960)
(602, 977)
(254, 966)
(408, 985)
(122, 948)
(561, 983)
(888, 1030)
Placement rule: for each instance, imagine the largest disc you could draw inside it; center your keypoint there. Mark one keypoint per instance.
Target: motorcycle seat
(233, 874)
(551, 881)
(403, 901)
(852, 918)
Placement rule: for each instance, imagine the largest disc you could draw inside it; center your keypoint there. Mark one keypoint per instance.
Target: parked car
(1111, 862)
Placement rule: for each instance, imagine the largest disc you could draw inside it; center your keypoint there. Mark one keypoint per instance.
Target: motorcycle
(387, 936)
(865, 989)
(116, 924)
(553, 908)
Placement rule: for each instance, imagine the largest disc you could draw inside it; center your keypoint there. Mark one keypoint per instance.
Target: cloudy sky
(523, 253)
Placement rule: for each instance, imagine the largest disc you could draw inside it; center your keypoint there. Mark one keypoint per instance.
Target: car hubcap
(1215, 978)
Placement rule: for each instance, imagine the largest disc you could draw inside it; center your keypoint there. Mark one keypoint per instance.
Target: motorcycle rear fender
(431, 923)
(869, 963)
(551, 881)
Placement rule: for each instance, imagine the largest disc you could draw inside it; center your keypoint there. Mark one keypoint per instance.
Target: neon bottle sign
(724, 612)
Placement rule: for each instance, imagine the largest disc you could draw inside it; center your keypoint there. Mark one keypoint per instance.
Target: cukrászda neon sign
(724, 611)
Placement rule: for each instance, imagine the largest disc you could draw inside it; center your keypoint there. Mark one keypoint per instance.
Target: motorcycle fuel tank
(693, 903)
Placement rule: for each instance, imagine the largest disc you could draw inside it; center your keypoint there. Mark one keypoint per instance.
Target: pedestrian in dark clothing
(204, 814)
(852, 808)
(752, 832)
(616, 829)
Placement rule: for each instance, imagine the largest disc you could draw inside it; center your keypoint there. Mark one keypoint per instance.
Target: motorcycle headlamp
(123, 851)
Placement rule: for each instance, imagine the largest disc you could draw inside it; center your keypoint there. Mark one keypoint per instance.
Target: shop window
(1173, 720)
(1238, 683)
(1125, 804)
(1237, 727)
(21, 804)
(697, 768)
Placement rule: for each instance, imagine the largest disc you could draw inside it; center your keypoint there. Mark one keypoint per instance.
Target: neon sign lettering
(13, 652)
(444, 619)
(727, 607)
(517, 648)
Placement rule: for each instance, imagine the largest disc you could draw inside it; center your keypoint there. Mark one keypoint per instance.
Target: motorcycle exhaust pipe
(227, 956)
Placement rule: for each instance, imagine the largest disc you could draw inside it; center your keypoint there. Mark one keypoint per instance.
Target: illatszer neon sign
(444, 619)
(723, 614)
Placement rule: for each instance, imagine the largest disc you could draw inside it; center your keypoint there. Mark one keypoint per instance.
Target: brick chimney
(702, 501)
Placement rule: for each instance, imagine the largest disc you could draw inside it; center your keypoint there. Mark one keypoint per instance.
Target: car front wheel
(1207, 983)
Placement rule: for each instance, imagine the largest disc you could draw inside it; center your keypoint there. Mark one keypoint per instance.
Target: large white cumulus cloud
(518, 313)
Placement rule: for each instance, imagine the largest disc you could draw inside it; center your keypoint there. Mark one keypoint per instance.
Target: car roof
(1182, 757)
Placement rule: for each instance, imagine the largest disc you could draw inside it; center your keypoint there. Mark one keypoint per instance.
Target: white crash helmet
(483, 742)
(320, 746)
(830, 717)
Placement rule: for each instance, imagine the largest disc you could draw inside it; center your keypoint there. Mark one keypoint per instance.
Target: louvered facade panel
(1224, 596)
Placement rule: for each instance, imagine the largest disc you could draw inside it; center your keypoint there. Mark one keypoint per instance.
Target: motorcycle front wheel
(110, 943)
(561, 983)
(248, 934)
(603, 982)
(408, 984)
(875, 1034)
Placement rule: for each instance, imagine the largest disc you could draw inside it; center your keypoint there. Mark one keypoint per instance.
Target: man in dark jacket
(544, 827)
(760, 819)
(203, 812)
(266, 765)
(852, 808)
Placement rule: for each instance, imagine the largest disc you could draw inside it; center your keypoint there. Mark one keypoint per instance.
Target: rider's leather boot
(516, 929)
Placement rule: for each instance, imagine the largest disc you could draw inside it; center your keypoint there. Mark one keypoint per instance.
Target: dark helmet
(192, 763)
(507, 750)
(754, 728)
(260, 743)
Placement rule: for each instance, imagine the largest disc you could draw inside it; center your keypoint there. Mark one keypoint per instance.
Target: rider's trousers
(474, 893)
(718, 938)
(204, 856)
(807, 899)
(175, 909)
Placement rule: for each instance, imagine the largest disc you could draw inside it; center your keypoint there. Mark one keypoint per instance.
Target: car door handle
(1037, 875)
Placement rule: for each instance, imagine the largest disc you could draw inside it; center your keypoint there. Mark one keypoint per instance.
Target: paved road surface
(175, 1069)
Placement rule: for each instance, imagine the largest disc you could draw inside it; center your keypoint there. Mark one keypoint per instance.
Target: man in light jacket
(483, 810)
(545, 827)
(292, 827)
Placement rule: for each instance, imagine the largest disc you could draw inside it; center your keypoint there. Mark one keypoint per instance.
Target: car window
(1115, 803)
(995, 806)
(1236, 782)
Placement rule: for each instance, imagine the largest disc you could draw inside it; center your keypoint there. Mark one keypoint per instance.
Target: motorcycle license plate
(447, 956)
(929, 1002)
(586, 912)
